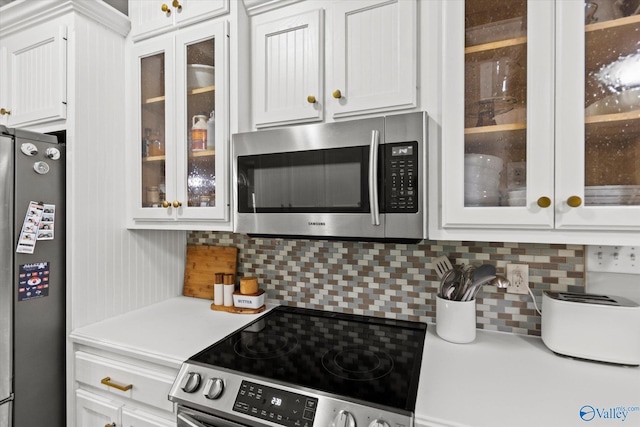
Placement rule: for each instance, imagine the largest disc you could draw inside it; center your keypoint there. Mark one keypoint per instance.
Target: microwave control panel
(401, 177)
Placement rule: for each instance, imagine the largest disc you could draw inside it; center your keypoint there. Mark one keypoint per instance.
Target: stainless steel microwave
(362, 179)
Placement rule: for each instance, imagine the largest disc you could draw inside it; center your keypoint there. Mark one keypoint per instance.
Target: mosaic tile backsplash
(398, 280)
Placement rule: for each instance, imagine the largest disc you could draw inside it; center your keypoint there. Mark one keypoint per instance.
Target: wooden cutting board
(201, 265)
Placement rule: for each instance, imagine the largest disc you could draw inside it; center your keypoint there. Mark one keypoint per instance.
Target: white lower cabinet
(94, 410)
(120, 391)
(132, 417)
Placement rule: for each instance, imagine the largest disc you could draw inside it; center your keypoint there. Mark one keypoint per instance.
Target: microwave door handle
(373, 177)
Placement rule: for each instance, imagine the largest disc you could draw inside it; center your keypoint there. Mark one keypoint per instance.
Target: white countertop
(498, 380)
(512, 380)
(167, 333)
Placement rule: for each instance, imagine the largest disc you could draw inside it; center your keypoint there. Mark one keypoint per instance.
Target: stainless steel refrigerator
(32, 279)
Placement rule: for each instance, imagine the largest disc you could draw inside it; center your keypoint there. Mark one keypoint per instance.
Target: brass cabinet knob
(166, 204)
(544, 202)
(177, 5)
(110, 425)
(4, 111)
(574, 201)
(311, 99)
(165, 9)
(337, 94)
(176, 204)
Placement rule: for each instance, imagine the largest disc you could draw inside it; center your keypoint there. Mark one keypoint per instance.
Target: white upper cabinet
(179, 138)
(33, 75)
(372, 53)
(152, 17)
(598, 117)
(533, 138)
(363, 52)
(287, 77)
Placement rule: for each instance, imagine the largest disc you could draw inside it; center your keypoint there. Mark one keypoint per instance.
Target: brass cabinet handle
(177, 5)
(337, 94)
(110, 425)
(177, 204)
(166, 9)
(544, 202)
(166, 204)
(4, 111)
(574, 201)
(311, 99)
(107, 381)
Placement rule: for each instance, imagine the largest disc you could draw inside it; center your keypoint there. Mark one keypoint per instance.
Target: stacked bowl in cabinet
(602, 195)
(482, 179)
(515, 197)
(612, 195)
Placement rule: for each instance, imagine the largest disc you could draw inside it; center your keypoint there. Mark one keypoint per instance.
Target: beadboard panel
(111, 270)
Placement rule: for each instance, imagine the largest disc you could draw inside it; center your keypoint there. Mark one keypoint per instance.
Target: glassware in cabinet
(495, 71)
(152, 130)
(612, 104)
(200, 184)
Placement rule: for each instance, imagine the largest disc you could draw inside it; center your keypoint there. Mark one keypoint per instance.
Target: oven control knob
(344, 419)
(191, 382)
(214, 388)
(379, 423)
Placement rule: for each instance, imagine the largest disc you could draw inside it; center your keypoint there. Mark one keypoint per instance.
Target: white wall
(112, 270)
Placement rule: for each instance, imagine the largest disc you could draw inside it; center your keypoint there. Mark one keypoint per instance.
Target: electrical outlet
(613, 259)
(518, 276)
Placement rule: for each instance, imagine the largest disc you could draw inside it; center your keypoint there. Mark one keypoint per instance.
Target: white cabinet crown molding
(256, 7)
(23, 14)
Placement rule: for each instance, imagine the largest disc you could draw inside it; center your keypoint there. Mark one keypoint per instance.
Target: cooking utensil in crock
(498, 281)
(441, 265)
(481, 275)
(450, 283)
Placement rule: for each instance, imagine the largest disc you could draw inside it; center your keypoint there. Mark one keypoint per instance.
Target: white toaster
(589, 326)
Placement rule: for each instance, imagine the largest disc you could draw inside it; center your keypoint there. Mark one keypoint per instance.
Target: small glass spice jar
(153, 195)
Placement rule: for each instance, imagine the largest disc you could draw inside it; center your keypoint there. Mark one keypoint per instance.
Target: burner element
(358, 363)
(264, 346)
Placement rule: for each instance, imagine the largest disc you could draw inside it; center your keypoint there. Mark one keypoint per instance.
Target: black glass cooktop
(370, 359)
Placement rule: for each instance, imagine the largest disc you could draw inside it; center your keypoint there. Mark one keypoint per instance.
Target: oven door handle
(373, 177)
(192, 418)
(190, 422)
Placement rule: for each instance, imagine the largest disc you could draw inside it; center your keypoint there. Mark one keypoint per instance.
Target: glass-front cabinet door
(541, 115)
(183, 111)
(598, 118)
(153, 131)
(497, 151)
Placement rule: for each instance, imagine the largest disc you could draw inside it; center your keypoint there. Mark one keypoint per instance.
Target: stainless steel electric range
(297, 367)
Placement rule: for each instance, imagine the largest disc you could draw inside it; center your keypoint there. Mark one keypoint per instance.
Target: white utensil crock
(456, 320)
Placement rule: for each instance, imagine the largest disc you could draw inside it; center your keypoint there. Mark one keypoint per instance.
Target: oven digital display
(278, 406)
